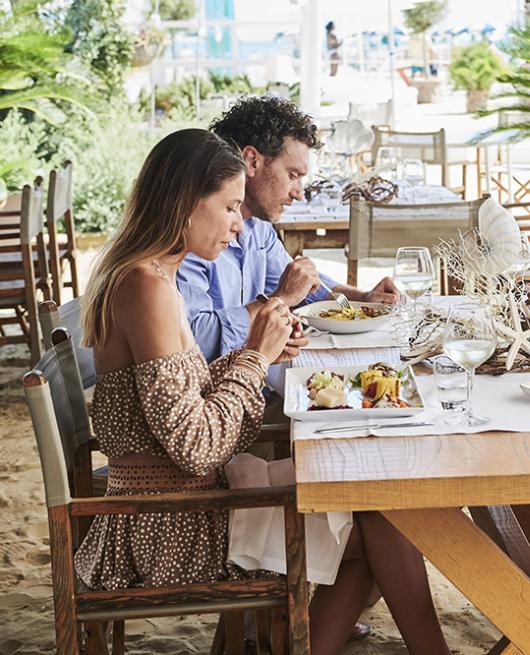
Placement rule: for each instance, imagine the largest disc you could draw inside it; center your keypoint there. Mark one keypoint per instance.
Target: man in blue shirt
(275, 138)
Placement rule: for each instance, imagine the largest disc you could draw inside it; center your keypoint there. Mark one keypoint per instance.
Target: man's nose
(297, 192)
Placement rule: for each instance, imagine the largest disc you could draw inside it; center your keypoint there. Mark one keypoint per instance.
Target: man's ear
(253, 159)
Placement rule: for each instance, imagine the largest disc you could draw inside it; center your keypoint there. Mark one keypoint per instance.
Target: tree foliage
(423, 15)
(175, 9)
(36, 74)
(515, 109)
(99, 38)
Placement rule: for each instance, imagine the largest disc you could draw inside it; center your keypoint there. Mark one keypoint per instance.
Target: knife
(262, 298)
(350, 428)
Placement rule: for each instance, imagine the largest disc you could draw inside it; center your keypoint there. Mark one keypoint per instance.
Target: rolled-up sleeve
(217, 331)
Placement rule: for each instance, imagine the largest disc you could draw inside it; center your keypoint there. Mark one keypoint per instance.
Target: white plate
(296, 401)
(311, 314)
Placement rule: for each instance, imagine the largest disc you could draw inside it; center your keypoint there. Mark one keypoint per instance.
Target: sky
(350, 14)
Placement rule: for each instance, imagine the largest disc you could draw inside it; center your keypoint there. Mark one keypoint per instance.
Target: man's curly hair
(264, 122)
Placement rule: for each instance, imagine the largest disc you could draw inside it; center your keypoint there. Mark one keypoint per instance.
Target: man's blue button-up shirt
(216, 292)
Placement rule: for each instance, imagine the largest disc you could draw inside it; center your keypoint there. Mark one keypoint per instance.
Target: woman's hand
(296, 341)
(271, 329)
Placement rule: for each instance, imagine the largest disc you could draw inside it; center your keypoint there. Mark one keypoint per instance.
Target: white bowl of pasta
(328, 316)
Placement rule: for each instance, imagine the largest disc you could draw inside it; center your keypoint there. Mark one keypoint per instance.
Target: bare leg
(335, 608)
(399, 570)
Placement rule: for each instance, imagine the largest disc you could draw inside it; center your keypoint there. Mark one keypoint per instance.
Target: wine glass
(469, 340)
(326, 162)
(387, 158)
(413, 271)
(414, 174)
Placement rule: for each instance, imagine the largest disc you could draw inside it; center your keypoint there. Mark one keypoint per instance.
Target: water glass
(331, 198)
(414, 171)
(451, 385)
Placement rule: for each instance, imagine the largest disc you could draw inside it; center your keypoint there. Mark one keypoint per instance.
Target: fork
(340, 298)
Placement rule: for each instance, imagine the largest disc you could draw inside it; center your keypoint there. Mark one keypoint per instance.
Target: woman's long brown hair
(180, 170)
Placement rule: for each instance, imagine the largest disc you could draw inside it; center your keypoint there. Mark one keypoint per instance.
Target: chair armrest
(272, 432)
(217, 499)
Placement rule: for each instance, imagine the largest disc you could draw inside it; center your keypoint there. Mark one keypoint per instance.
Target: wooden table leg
(294, 242)
(474, 564)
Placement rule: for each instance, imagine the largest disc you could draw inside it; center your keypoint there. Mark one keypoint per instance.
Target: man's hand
(292, 348)
(299, 278)
(384, 291)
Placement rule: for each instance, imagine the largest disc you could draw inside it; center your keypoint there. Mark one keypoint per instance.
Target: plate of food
(328, 316)
(342, 392)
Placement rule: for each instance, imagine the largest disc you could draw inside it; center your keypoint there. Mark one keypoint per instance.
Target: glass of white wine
(469, 340)
(413, 271)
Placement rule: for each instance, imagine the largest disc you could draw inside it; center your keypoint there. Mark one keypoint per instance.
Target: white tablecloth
(498, 397)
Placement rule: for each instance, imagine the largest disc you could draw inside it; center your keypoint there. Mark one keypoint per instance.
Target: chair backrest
(430, 147)
(376, 113)
(69, 317)
(377, 230)
(59, 206)
(54, 470)
(59, 199)
(60, 369)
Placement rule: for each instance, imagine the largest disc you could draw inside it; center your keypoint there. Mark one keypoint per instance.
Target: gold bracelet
(254, 360)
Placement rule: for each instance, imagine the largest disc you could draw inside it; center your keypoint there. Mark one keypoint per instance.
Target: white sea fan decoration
(349, 136)
(500, 235)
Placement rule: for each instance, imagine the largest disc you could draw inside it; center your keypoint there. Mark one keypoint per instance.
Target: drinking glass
(469, 340)
(326, 162)
(387, 158)
(413, 271)
(413, 174)
(451, 385)
(331, 198)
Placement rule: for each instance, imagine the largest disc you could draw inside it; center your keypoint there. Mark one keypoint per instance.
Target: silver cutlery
(340, 298)
(350, 428)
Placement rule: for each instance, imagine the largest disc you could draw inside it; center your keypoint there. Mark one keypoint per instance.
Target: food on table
(380, 386)
(327, 390)
(353, 313)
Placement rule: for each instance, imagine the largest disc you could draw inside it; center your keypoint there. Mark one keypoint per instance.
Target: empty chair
(23, 269)
(62, 248)
(378, 230)
(430, 147)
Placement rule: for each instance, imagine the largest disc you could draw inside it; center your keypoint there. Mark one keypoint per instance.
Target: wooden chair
(23, 268)
(69, 317)
(62, 249)
(377, 230)
(521, 212)
(54, 392)
(430, 147)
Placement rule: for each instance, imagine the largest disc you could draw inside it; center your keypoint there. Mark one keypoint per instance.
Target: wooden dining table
(420, 484)
(307, 226)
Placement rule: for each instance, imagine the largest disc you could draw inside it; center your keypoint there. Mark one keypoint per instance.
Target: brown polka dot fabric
(197, 416)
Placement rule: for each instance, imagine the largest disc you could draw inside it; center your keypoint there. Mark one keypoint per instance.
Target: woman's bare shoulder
(142, 291)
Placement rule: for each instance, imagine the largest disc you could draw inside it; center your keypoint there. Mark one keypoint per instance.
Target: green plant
(36, 73)
(475, 67)
(99, 38)
(423, 15)
(516, 96)
(420, 18)
(175, 9)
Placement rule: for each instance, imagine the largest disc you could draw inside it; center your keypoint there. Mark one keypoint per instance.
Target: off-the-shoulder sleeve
(201, 431)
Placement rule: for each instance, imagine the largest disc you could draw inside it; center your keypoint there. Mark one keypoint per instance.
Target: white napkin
(257, 536)
(498, 397)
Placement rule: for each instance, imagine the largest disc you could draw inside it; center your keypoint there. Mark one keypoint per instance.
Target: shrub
(475, 67)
